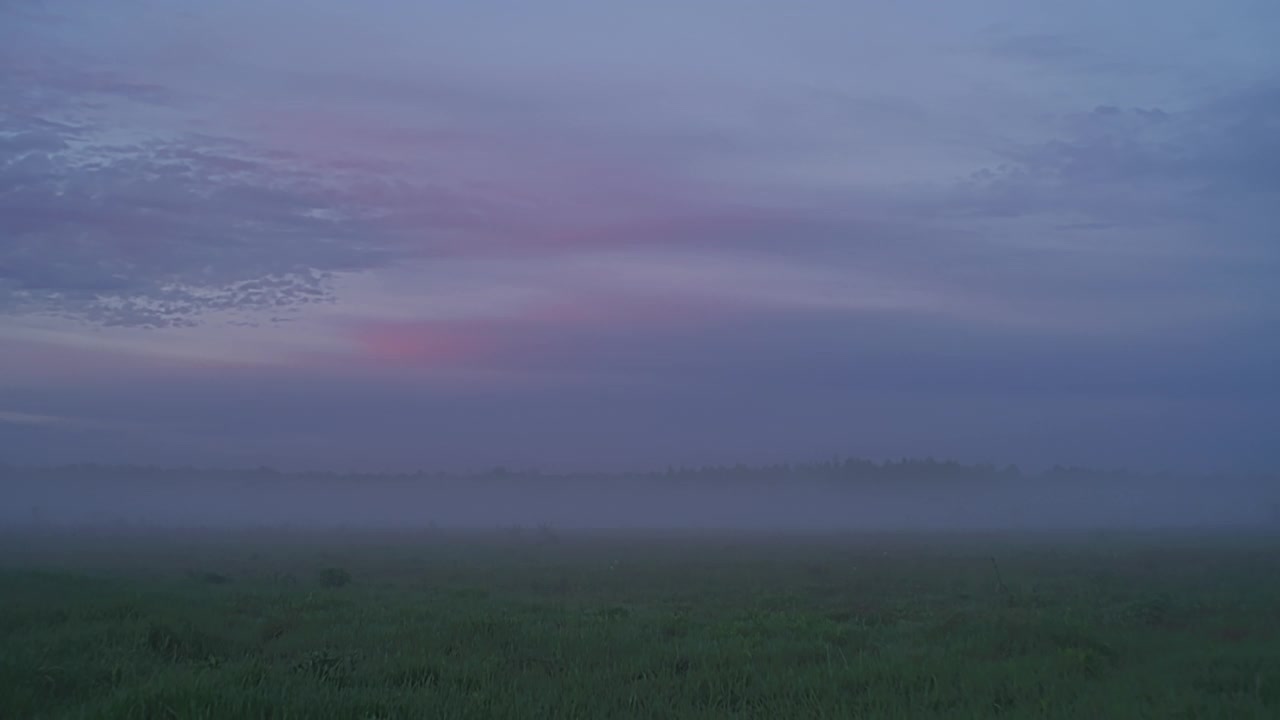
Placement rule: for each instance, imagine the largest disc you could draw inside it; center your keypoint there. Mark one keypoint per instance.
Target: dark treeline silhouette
(842, 493)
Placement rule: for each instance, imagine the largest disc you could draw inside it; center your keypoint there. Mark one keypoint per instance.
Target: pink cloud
(424, 344)
(477, 191)
(541, 335)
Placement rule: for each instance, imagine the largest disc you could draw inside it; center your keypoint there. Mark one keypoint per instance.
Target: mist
(824, 497)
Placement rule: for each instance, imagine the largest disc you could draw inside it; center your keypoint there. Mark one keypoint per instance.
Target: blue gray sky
(573, 234)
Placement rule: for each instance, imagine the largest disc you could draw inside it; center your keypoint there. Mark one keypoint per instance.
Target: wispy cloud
(21, 418)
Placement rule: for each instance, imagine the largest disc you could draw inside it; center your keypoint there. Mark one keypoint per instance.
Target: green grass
(508, 625)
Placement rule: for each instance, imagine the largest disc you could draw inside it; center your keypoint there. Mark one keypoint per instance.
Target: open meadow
(536, 623)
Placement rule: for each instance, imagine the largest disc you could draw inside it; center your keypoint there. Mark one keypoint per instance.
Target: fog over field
(822, 497)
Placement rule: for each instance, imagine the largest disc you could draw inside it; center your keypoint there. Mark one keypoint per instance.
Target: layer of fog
(843, 500)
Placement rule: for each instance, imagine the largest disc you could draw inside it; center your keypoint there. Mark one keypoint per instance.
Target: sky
(570, 234)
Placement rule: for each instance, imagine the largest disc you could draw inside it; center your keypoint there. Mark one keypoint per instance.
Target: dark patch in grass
(866, 615)
(36, 685)
(121, 612)
(415, 677)
(559, 586)
(675, 627)
(817, 571)
(1152, 612)
(471, 594)
(1235, 634)
(726, 693)
(1228, 678)
(534, 663)
(614, 613)
(254, 675)
(954, 623)
(1088, 661)
(488, 628)
(327, 666)
(1018, 637)
(1003, 700)
(181, 644)
(210, 578)
(273, 630)
(469, 684)
(334, 577)
(1160, 612)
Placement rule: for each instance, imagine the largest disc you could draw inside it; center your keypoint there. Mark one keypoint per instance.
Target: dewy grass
(614, 625)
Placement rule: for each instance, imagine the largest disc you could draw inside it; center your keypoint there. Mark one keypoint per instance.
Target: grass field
(610, 625)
